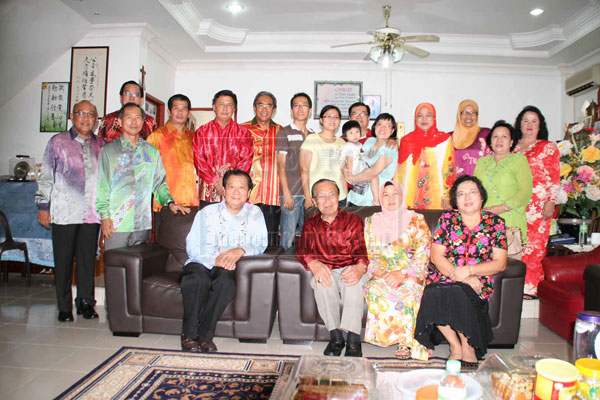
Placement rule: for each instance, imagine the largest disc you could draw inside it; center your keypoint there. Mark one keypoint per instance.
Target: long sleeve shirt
(176, 153)
(127, 178)
(264, 163)
(336, 244)
(67, 185)
(218, 150)
(110, 128)
(216, 229)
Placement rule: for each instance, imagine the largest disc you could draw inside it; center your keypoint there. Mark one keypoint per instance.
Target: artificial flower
(565, 147)
(590, 154)
(565, 169)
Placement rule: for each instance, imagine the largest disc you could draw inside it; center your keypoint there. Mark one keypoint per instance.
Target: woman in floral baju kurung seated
(398, 243)
(469, 247)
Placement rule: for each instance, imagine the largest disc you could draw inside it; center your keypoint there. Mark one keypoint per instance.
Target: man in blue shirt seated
(221, 234)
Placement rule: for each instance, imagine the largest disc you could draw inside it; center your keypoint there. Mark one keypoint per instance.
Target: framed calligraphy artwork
(55, 106)
(340, 94)
(89, 73)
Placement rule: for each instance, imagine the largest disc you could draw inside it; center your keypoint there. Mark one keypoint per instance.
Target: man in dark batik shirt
(333, 248)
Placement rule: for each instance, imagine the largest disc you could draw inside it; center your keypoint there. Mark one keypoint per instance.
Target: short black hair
(349, 125)
(463, 179)
(357, 104)
(301, 94)
(388, 183)
(327, 108)
(129, 105)
(542, 134)
(225, 92)
(504, 124)
(323, 180)
(387, 117)
(237, 172)
(265, 93)
(180, 97)
(131, 83)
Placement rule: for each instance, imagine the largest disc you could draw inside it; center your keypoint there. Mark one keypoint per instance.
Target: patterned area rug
(140, 373)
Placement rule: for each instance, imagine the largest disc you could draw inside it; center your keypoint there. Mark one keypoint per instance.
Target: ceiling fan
(390, 45)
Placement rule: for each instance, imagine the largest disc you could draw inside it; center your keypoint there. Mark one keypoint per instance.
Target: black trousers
(206, 293)
(77, 241)
(271, 214)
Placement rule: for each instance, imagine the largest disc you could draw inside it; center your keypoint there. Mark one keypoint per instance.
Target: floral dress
(393, 311)
(544, 160)
(466, 246)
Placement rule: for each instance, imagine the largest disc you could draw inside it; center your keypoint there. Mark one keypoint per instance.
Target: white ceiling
(499, 31)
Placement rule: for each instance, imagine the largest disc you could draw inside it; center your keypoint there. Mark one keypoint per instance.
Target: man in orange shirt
(265, 178)
(174, 143)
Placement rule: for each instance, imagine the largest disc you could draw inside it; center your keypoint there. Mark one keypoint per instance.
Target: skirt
(457, 305)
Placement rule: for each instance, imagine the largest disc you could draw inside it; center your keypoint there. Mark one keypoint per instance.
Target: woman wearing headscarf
(426, 163)
(398, 242)
(468, 138)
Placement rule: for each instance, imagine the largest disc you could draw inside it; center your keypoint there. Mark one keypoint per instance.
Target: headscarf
(387, 226)
(463, 137)
(415, 141)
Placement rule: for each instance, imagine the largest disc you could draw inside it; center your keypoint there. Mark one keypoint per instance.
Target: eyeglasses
(304, 105)
(357, 114)
(469, 193)
(469, 113)
(325, 196)
(85, 114)
(132, 94)
(264, 105)
(331, 117)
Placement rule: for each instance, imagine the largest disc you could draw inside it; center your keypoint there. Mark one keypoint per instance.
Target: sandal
(529, 297)
(403, 353)
(468, 364)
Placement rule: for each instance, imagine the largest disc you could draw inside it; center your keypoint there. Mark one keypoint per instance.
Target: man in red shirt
(333, 248)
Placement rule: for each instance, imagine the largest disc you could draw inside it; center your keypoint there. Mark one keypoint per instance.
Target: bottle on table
(583, 233)
(452, 386)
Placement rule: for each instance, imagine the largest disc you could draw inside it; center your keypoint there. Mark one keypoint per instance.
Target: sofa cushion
(173, 231)
(161, 297)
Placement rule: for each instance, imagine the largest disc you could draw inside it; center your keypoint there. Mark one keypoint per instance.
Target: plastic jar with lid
(588, 386)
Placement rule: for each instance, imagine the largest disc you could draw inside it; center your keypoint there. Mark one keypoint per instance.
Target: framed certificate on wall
(339, 94)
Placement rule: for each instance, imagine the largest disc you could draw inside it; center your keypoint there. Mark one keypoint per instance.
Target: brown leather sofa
(143, 293)
(299, 320)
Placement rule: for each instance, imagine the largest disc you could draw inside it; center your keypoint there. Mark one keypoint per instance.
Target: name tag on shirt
(295, 138)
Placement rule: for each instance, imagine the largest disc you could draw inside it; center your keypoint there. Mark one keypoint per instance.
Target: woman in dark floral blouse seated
(468, 248)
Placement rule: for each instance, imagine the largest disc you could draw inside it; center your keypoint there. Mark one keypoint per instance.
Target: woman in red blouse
(468, 248)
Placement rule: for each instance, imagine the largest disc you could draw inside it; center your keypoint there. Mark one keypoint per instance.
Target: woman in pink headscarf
(398, 242)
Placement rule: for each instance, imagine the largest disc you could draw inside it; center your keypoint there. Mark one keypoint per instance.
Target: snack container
(586, 335)
(588, 386)
(329, 378)
(555, 380)
(506, 378)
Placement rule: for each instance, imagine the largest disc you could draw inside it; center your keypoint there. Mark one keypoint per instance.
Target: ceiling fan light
(374, 54)
(397, 54)
(386, 60)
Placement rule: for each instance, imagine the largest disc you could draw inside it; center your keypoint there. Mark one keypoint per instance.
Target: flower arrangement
(579, 192)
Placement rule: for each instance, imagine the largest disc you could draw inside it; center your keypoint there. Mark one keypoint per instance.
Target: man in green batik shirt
(130, 170)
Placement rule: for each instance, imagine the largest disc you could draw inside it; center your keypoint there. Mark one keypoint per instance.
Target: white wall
(500, 91)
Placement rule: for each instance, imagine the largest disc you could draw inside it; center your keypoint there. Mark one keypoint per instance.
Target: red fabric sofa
(561, 292)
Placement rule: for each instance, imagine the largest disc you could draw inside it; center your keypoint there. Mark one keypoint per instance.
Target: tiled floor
(41, 357)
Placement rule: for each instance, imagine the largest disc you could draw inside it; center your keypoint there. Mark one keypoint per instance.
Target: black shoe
(65, 316)
(336, 344)
(189, 344)
(87, 310)
(353, 350)
(353, 346)
(207, 346)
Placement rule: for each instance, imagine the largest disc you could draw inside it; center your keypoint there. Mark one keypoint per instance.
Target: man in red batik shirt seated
(219, 146)
(110, 128)
(333, 248)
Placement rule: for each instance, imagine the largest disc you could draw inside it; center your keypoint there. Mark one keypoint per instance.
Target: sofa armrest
(569, 268)
(592, 287)
(124, 269)
(254, 305)
(507, 302)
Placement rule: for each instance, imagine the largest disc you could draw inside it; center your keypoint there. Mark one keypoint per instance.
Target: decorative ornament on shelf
(579, 192)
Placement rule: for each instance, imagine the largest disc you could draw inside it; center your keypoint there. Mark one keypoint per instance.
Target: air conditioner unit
(583, 81)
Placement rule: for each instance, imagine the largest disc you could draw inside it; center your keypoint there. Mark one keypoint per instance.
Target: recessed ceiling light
(97, 13)
(235, 8)
(536, 11)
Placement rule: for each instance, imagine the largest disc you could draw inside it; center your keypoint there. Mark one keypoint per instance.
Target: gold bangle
(470, 272)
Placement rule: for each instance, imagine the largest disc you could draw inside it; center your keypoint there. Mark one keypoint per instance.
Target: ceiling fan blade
(416, 51)
(421, 38)
(350, 44)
